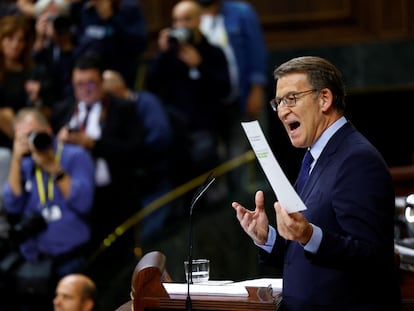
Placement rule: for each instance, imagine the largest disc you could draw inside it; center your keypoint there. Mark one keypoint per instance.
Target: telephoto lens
(41, 141)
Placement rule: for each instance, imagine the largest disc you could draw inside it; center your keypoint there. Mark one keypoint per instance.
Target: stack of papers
(206, 289)
(223, 288)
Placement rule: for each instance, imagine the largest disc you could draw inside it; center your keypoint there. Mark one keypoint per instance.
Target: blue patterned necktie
(304, 171)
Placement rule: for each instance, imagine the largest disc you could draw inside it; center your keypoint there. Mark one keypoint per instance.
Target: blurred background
(370, 41)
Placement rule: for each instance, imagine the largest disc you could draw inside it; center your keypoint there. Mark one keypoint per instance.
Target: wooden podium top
(148, 292)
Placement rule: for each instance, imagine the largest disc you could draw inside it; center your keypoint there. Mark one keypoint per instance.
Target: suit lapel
(326, 157)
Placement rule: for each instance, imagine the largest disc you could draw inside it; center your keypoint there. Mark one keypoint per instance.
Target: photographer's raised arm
(6, 117)
(33, 138)
(20, 148)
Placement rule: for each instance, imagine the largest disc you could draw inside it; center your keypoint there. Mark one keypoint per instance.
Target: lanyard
(50, 186)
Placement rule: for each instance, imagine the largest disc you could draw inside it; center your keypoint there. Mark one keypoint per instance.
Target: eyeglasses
(289, 100)
(90, 84)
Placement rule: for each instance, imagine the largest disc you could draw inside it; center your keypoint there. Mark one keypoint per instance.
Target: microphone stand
(200, 191)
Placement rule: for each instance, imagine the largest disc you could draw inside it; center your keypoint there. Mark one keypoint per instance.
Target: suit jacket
(122, 139)
(192, 103)
(121, 145)
(349, 195)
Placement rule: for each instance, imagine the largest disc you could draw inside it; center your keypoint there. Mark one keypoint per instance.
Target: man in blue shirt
(53, 180)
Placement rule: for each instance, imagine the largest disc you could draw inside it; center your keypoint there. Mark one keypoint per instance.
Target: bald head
(186, 14)
(114, 83)
(75, 292)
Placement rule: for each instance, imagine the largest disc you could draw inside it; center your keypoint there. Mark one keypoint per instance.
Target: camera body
(41, 141)
(73, 129)
(61, 24)
(27, 227)
(180, 35)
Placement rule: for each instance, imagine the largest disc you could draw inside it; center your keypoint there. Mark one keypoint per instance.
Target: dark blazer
(122, 140)
(192, 104)
(122, 146)
(350, 196)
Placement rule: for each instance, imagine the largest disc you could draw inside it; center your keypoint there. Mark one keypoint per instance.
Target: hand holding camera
(39, 145)
(74, 135)
(40, 141)
(179, 36)
(20, 145)
(173, 38)
(180, 40)
(42, 151)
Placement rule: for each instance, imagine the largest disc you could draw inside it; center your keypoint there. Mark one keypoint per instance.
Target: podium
(148, 292)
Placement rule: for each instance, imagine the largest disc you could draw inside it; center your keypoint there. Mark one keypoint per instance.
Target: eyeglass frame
(275, 102)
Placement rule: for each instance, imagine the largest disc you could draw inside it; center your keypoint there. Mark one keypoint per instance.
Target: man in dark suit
(110, 129)
(191, 78)
(338, 254)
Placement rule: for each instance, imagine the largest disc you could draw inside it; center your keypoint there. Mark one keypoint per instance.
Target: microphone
(197, 195)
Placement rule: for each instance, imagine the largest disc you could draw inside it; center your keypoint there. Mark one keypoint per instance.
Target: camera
(179, 35)
(61, 24)
(73, 129)
(41, 141)
(28, 226)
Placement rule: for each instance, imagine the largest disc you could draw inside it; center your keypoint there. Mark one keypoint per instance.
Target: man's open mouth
(294, 125)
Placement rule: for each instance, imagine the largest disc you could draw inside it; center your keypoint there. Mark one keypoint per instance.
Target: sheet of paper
(277, 283)
(404, 251)
(284, 191)
(205, 289)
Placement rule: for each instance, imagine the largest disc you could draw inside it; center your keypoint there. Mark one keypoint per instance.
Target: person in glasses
(110, 129)
(338, 254)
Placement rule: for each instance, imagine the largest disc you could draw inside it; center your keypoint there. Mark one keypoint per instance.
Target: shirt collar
(317, 148)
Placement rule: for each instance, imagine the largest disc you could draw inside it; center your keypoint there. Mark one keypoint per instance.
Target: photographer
(54, 181)
(54, 49)
(114, 29)
(191, 78)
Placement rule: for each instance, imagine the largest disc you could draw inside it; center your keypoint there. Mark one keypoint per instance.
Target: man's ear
(327, 98)
(88, 305)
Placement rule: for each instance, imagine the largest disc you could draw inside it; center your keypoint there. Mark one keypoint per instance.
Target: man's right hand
(163, 38)
(20, 145)
(254, 223)
(76, 137)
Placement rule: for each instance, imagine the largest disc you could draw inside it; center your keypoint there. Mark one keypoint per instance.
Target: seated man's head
(114, 83)
(75, 292)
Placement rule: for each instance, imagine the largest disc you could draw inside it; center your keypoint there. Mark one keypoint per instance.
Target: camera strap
(50, 185)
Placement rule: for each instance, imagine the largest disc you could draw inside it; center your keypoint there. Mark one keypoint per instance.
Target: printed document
(284, 191)
(205, 289)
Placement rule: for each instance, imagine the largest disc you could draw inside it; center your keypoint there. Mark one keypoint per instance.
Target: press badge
(28, 185)
(52, 213)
